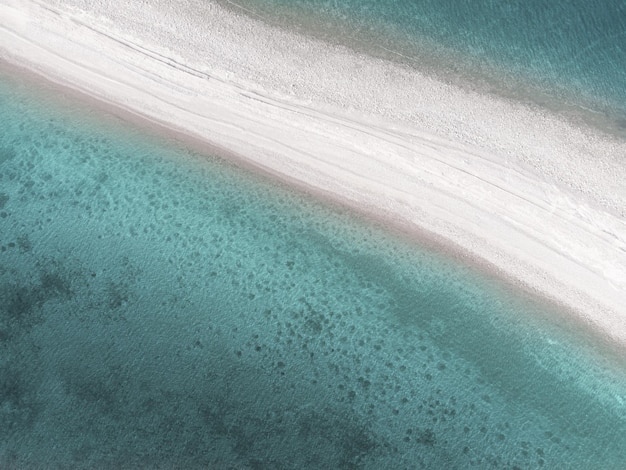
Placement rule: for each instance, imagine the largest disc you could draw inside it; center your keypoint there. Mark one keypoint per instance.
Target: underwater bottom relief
(163, 309)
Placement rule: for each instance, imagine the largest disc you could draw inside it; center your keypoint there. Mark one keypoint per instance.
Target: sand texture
(535, 197)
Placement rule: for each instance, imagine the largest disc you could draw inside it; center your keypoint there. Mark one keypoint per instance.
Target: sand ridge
(537, 197)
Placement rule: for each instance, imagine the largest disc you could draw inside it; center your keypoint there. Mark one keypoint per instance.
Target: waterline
(163, 308)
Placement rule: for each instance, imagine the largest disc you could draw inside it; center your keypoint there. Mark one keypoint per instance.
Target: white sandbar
(534, 196)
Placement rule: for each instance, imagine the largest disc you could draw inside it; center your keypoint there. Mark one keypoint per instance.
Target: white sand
(535, 197)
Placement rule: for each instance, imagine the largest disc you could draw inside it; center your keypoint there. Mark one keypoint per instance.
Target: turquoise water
(574, 51)
(162, 309)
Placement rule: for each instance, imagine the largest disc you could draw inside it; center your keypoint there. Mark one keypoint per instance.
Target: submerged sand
(536, 197)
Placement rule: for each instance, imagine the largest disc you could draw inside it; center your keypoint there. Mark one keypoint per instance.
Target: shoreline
(604, 351)
(448, 66)
(414, 160)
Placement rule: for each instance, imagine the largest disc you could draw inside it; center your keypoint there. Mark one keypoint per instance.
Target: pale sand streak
(538, 198)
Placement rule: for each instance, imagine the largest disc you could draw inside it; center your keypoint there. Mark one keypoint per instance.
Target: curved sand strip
(536, 197)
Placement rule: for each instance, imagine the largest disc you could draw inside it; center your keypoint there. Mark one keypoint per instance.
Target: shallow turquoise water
(575, 51)
(160, 308)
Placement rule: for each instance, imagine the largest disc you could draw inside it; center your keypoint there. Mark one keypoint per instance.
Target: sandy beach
(535, 197)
